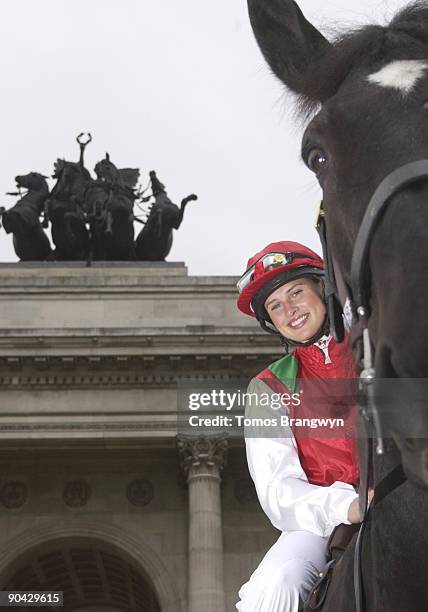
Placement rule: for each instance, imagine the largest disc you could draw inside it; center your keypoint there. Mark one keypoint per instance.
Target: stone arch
(143, 556)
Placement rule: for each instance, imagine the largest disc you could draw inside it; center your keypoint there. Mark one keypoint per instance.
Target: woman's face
(297, 309)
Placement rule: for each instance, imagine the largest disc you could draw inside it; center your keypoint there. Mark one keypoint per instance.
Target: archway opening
(93, 577)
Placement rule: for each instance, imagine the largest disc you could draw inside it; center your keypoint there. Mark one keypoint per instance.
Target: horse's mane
(366, 48)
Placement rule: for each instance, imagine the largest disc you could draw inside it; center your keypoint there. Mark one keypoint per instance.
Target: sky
(179, 87)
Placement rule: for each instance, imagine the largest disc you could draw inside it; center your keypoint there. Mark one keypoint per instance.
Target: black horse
(155, 239)
(65, 209)
(367, 96)
(23, 220)
(109, 203)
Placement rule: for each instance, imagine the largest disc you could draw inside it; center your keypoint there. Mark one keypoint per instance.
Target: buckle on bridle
(334, 308)
(320, 214)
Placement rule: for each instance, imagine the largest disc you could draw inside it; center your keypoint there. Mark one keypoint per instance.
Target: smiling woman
(297, 309)
(304, 484)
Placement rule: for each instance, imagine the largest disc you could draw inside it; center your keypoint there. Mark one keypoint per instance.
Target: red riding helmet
(278, 263)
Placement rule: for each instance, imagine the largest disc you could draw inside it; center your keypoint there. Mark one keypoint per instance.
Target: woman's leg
(287, 573)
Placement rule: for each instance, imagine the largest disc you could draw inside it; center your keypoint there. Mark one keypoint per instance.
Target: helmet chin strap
(324, 330)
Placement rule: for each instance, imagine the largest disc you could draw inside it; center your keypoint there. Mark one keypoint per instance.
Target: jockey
(305, 484)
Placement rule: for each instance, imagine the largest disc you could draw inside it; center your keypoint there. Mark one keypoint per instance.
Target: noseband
(356, 304)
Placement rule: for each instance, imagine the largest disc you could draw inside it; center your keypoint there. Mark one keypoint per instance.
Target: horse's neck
(61, 190)
(384, 464)
(396, 542)
(35, 197)
(162, 200)
(78, 189)
(97, 189)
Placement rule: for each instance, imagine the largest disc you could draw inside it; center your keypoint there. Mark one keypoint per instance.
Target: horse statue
(366, 98)
(155, 239)
(23, 220)
(109, 202)
(65, 208)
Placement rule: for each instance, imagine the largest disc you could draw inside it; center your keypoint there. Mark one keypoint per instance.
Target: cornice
(212, 288)
(190, 340)
(121, 373)
(145, 428)
(95, 449)
(109, 278)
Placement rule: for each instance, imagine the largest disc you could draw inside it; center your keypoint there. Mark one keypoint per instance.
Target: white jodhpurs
(288, 570)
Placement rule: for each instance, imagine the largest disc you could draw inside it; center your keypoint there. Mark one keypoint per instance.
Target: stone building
(98, 496)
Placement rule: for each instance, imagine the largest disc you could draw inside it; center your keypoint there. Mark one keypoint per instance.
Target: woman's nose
(291, 310)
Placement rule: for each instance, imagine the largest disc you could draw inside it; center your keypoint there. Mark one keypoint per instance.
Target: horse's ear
(287, 40)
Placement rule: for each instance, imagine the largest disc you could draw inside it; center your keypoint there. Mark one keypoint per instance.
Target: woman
(305, 484)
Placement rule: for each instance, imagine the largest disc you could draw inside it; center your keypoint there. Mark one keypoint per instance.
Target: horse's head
(107, 172)
(158, 188)
(59, 167)
(72, 179)
(32, 181)
(367, 94)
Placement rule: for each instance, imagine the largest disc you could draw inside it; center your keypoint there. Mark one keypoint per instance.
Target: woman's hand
(354, 508)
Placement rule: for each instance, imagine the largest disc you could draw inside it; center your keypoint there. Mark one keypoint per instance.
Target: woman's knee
(281, 590)
(296, 575)
(301, 575)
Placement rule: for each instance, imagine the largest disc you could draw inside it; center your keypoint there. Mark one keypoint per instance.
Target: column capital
(197, 452)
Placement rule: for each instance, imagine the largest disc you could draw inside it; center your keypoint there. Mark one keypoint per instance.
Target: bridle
(356, 300)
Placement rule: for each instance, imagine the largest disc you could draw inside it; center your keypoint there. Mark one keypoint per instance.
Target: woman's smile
(297, 309)
(299, 322)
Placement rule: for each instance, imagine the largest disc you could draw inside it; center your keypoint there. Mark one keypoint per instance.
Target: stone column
(203, 459)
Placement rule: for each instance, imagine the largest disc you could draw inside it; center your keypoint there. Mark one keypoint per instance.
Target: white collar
(323, 344)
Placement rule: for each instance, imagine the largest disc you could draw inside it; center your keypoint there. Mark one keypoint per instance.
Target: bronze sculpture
(23, 220)
(91, 219)
(110, 202)
(155, 239)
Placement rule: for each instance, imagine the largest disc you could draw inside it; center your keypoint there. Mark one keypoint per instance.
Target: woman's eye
(316, 160)
(275, 306)
(295, 293)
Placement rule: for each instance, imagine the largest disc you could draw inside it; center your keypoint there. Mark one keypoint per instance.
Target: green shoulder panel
(286, 370)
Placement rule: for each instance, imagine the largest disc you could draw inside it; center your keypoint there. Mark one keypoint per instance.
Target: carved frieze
(14, 494)
(140, 492)
(76, 493)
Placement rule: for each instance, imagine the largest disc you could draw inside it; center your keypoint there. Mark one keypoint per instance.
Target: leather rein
(355, 300)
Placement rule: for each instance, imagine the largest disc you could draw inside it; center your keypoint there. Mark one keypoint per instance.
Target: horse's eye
(316, 160)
